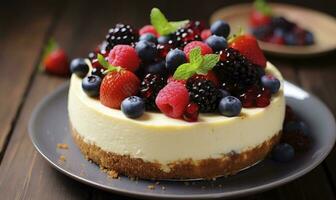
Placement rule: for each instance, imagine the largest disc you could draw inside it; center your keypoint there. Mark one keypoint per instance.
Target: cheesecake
(185, 131)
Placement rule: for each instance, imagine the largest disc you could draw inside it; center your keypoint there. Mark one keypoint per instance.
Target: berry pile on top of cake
(179, 68)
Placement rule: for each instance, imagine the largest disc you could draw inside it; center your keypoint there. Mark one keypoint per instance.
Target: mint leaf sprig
(198, 64)
(109, 68)
(263, 7)
(161, 23)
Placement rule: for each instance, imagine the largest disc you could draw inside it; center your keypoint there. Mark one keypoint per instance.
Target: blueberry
(270, 82)
(146, 50)
(224, 93)
(283, 152)
(230, 106)
(133, 107)
(157, 67)
(290, 39)
(217, 43)
(91, 85)
(295, 126)
(148, 37)
(261, 32)
(163, 39)
(79, 67)
(309, 38)
(174, 59)
(220, 28)
(279, 32)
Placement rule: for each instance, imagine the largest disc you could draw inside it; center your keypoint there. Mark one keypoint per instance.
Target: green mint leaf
(209, 61)
(263, 7)
(161, 23)
(102, 61)
(184, 71)
(195, 56)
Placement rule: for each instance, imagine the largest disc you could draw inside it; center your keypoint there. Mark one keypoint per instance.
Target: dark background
(78, 26)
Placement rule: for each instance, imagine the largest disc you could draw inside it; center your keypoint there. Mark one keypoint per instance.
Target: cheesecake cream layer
(155, 137)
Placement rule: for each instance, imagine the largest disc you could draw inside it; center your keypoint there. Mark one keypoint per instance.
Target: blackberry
(150, 87)
(185, 35)
(204, 93)
(236, 72)
(121, 34)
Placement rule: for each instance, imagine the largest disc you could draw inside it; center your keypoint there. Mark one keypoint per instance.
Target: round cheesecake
(155, 146)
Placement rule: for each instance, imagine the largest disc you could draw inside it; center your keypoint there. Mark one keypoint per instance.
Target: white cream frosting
(157, 138)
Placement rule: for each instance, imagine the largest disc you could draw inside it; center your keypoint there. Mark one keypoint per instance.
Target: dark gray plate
(49, 126)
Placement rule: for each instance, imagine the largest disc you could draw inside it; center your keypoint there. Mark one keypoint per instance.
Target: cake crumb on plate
(62, 146)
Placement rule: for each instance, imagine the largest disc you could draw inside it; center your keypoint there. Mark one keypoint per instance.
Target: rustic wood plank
(21, 40)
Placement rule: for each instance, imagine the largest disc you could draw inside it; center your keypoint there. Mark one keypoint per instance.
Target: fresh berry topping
(248, 46)
(157, 68)
(204, 93)
(172, 79)
(283, 152)
(263, 99)
(258, 19)
(124, 56)
(56, 62)
(133, 107)
(173, 99)
(296, 126)
(230, 106)
(104, 46)
(185, 35)
(121, 34)
(191, 112)
(92, 56)
(98, 72)
(205, 34)
(205, 49)
(174, 59)
(147, 51)
(148, 29)
(149, 89)
(211, 76)
(148, 37)
(116, 86)
(163, 50)
(217, 43)
(270, 82)
(220, 28)
(91, 85)
(164, 39)
(236, 70)
(79, 67)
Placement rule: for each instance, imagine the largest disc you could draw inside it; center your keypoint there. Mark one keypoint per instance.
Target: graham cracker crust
(229, 164)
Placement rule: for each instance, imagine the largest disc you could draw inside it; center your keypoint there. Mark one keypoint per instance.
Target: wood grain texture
(18, 58)
(81, 25)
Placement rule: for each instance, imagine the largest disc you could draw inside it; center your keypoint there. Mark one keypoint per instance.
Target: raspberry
(205, 49)
(173, 99)
(124, 56)
(205, 34)
(171, 79)
(148, 29)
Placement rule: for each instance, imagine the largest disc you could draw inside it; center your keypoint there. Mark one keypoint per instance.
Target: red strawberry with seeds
(57, 62)
(124, 56)
(248, 46)
(116, 86)
(173, 99)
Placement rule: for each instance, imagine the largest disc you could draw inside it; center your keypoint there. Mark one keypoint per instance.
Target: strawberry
(261, 15)
(248, 46)
(56, 62)
(118, 85)
(258, 19)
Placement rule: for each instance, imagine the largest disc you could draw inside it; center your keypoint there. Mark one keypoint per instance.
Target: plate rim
(298, 53)
(138, 194)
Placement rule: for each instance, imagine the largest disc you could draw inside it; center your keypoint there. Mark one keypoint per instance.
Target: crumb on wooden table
(62, 146)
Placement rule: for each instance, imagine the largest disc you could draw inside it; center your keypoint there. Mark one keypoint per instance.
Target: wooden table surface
(78, 26)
